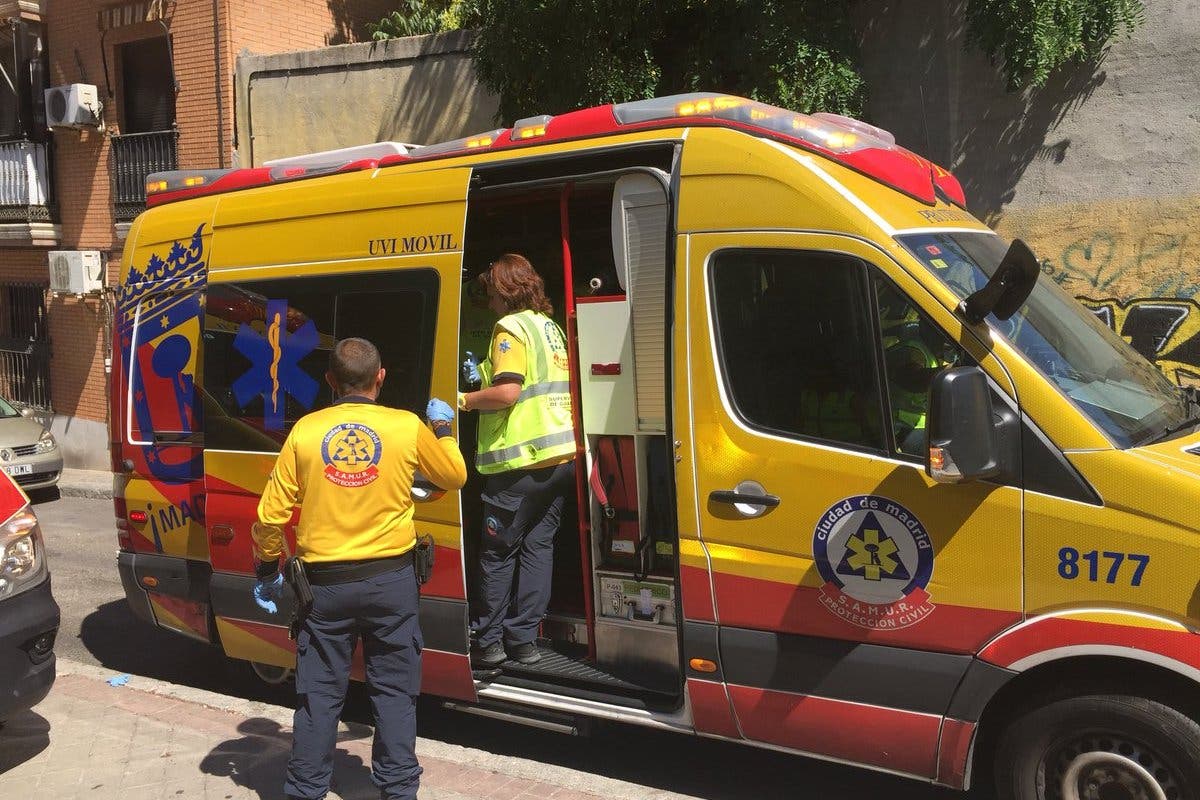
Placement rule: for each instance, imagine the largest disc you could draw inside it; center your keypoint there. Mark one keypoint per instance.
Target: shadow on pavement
(258, 762)
(39, 496)
(22, 738)
(702, 768)
(123, 643)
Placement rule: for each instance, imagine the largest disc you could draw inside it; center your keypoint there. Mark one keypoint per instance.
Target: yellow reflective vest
(538, 427)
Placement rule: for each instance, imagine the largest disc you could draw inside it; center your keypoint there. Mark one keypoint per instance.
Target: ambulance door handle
(733, 498)
(748, 497)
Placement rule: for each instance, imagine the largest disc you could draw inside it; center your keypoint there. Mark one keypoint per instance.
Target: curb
(467, 757)
(94, 484)
(81, 490)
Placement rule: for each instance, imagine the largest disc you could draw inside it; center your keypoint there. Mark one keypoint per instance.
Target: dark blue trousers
(521, 514)
(382, 610)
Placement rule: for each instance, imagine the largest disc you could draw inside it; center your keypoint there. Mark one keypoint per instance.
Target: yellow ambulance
(883, 496)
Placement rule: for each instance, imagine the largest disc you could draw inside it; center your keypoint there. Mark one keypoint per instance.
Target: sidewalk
(150, 739)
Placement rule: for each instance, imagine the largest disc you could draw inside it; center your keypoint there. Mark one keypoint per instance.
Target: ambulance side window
(914, 350)
(267, 343)
(797, 345)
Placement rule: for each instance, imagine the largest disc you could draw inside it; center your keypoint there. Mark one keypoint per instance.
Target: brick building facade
(164, 73)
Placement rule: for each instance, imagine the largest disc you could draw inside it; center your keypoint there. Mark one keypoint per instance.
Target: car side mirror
(26, 411)
(963, 442)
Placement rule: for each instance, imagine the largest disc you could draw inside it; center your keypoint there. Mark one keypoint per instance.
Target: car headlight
(45, 443)
(22, 554)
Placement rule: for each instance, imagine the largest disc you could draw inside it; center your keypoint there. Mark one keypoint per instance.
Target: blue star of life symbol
(352, 449)
(275, 370)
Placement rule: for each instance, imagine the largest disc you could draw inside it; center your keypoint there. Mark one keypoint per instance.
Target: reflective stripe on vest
(911, 407)
(538, 426)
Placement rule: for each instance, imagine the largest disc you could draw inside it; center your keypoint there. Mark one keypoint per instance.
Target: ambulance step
(545, 720)
(577, 677)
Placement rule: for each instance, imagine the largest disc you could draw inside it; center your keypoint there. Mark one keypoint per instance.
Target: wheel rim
(1108, 767)
(271, 674)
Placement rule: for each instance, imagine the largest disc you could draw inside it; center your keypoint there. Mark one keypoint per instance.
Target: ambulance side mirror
(963, 441)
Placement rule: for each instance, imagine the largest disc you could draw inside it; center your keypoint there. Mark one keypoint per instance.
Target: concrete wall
(419, 90)
(1099, 170)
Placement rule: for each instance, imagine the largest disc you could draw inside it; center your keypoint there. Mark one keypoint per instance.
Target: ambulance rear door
(850, 589)
(346, 257)
(158, 419)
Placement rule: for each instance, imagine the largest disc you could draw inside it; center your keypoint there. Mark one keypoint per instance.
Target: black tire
(271, 674)
(1117, 747)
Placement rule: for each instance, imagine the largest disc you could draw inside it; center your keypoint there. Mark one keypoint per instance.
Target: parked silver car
(28, 452)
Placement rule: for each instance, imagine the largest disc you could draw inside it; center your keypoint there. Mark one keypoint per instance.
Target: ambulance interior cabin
(597, 229)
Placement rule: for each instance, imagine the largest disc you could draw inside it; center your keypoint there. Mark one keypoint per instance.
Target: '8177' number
(1070, 566)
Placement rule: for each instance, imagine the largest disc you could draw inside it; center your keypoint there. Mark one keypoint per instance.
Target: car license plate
(19, 469)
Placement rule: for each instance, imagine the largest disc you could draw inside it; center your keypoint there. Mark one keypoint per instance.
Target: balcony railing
(24, 182)
(135, 156)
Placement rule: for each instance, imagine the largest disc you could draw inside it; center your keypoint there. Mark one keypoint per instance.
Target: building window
(148, 142)
(147, 91)
(25, 185)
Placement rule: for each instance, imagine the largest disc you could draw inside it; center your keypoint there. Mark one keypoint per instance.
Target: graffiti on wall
(1164, 330)
(1136, 264)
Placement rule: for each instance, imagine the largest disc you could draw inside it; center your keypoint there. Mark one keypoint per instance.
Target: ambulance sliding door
(388, 274)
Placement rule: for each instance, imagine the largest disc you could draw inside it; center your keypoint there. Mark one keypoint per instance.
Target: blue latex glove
(470, 370)
(439, 411)
(267, 592)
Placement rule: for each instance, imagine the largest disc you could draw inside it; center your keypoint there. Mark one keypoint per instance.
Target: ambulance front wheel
(1100, 747)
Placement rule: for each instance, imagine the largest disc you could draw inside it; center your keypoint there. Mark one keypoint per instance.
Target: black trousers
(521, 513)
(383, 611)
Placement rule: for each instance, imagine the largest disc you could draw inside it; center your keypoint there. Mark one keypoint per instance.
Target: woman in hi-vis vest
(527, 457)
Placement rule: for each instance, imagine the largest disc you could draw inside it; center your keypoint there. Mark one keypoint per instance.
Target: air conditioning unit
(76, 271)
(75, 105)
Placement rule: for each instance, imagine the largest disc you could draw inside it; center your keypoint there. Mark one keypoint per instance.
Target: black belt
(328, 573)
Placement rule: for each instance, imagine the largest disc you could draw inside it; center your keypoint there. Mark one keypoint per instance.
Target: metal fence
(24, 181)
(24, 344)
(134, 157)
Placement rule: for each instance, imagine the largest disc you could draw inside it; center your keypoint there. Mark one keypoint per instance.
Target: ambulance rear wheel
(1100, 747)
(272, 674)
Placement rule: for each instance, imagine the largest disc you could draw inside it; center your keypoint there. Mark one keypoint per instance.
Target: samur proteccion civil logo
(351, 452)
(876, 559)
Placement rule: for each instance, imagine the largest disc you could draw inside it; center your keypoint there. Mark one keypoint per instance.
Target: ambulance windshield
(1109, 381)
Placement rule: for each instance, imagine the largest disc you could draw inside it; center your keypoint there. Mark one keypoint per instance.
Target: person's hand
(470, 370)
(439, 411)
(266, 592)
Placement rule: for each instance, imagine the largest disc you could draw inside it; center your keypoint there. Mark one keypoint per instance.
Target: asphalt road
(98, 628)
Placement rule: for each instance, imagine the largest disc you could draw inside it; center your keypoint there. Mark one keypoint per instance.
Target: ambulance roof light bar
(344, 155)
(473, 142)
(530, 127)
(858, 145)
(830, 132)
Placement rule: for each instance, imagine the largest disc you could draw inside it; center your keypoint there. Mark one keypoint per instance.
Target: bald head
(354, 368)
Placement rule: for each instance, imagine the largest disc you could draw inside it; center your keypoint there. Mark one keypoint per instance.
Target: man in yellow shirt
(352, 465)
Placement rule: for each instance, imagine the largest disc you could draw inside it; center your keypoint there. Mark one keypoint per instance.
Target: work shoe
(489, 657)
(526, 653)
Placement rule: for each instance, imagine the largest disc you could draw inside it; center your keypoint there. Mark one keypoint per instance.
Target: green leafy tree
(419, 17)
(551, 56)
(1032, 38)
